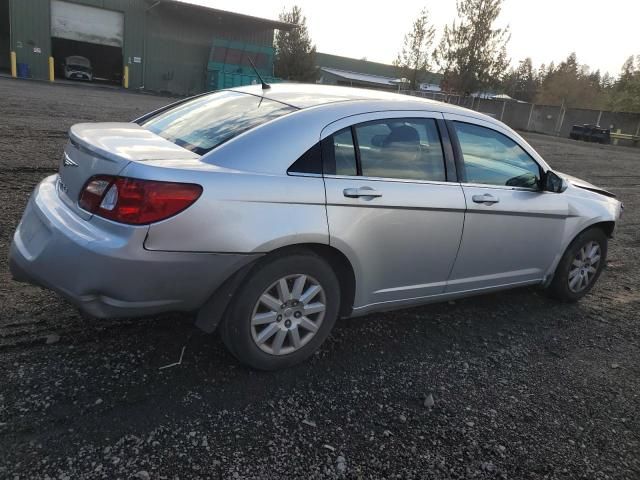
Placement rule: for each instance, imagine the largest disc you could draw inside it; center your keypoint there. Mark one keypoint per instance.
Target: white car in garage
(78, 68)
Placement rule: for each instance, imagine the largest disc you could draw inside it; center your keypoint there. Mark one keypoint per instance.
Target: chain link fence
(547, 119)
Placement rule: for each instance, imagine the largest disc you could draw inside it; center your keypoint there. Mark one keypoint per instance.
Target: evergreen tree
(595, 80)
(522, 83)
(526, 84)
(413, 60)
(472, 53)
(625, 93)
(295, 53)
(607, 81)
(571, 84)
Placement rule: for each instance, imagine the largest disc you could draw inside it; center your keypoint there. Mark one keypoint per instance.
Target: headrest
(404, 134)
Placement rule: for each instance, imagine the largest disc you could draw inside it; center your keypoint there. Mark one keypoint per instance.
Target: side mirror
(554, 183)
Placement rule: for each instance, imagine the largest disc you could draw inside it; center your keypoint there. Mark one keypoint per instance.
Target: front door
(512, 231)
(391, 208)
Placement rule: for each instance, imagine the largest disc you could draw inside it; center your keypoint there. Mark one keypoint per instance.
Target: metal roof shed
(355, 79)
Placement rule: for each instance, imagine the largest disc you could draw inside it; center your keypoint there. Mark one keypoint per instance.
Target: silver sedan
(269, 213)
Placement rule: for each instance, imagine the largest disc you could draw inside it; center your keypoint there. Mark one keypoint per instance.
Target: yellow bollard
(51, 71)
(14, 68)
(125, 77)
(615, 140)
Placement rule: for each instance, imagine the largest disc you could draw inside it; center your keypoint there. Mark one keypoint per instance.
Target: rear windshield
(205, 122)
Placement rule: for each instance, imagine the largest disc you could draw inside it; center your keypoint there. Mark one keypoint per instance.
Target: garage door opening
(105, 62)
(5, 48)
(86, 42)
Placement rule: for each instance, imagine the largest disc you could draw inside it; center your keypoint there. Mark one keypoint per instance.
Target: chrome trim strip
(411, 287)
(297, 174)
(395, 180)
(502, 187)
(447, 294)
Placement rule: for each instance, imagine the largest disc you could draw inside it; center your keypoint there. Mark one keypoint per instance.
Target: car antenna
(265, 85)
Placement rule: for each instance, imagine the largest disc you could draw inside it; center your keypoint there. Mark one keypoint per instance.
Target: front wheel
(283, 312)
(581, 266)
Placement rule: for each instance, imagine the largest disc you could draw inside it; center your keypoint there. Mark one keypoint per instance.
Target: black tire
(559, 287)
(236, 330)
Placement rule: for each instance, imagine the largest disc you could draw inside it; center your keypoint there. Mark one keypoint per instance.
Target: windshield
(205, 122)
(79, 68)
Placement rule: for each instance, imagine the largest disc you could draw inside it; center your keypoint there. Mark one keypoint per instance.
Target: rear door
(513, 230)
(391, 206)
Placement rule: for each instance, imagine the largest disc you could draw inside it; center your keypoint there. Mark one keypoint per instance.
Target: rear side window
(492, 158)
(394, 148)
(309, 162)
(407, 149)
(205, 122)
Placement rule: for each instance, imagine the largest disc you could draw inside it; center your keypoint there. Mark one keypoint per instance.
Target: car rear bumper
(103, 267)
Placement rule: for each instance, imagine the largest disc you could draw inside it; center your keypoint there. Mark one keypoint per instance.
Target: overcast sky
(602, 33)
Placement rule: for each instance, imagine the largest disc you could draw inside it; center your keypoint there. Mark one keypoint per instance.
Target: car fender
(586, 208)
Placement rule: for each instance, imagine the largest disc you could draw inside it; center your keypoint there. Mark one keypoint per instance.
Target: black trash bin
(590, 133)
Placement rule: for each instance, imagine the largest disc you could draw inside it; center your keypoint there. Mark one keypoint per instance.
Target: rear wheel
(580, 266)
(283, 312)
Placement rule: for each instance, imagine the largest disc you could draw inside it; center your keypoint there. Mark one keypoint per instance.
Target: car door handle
(361, 192)
(487, 199)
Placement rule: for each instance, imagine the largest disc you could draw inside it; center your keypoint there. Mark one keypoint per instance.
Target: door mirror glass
(554, 183)
(525, 180)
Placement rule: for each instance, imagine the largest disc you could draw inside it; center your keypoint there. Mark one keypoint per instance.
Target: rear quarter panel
(238, 212)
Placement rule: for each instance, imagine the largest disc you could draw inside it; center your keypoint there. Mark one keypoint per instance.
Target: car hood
(578, 182)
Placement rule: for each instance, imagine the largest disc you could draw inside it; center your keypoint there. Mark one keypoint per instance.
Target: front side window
(203, 123)
(492, 158)
(401, 148)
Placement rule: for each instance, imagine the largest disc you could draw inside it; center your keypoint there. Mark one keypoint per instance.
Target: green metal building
(157, 45)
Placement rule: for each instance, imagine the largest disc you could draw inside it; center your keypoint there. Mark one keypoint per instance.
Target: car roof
(319, 108)
(304, 96)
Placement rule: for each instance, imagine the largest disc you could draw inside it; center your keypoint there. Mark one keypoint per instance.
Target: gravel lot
(511, 385)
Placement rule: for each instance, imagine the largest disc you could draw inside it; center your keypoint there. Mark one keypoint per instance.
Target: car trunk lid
(106, 149)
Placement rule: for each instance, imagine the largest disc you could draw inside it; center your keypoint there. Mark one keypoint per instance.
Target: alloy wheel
(584, 266)
(288, 314)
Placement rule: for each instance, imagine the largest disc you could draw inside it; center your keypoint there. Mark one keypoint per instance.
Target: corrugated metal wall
(4, 35)
(171, 57)
(179, 41)
(30, 37)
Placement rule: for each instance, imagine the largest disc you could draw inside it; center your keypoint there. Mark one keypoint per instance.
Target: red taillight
(134, 201)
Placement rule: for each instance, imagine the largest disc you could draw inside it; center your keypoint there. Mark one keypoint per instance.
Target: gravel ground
(510, 385)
